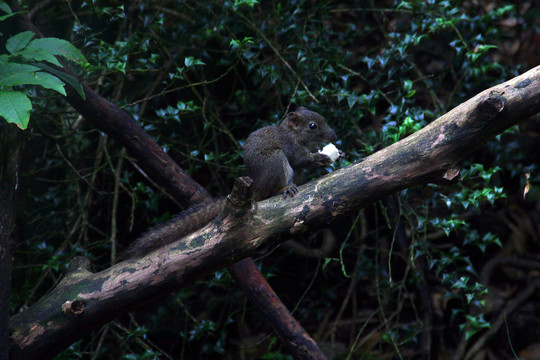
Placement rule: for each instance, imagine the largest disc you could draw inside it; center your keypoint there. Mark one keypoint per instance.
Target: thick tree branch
(50, 324)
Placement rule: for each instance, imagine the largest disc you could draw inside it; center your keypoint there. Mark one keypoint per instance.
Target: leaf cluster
(26, 64)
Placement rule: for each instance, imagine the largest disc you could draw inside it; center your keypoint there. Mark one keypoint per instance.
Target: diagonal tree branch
(85, 300)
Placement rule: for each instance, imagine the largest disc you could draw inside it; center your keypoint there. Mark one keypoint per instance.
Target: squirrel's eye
(312, 126)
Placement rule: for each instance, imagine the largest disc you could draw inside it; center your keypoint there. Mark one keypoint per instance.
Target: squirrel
(272, 154)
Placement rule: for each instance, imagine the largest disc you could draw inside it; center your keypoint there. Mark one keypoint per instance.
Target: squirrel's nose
(332, 136)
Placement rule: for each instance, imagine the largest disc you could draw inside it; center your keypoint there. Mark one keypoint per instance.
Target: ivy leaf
(15, 108)
(18, 42)
(250, 3)
(191, 61)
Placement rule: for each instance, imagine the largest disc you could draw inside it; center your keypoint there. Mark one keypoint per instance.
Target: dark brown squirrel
(272, 154)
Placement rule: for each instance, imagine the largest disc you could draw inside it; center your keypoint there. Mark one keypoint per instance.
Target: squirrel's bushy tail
(183, 224)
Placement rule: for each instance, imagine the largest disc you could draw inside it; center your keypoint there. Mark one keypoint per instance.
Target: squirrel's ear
(292, 120)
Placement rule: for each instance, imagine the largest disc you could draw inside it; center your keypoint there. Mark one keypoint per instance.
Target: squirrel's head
(310, 129)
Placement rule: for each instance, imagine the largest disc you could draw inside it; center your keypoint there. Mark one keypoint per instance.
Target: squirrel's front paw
(324, 160)
(290, 191)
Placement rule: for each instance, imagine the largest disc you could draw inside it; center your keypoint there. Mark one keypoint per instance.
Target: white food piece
(331, 151)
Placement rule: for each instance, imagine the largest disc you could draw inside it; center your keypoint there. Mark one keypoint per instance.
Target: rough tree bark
(85, 300)
(11, 146)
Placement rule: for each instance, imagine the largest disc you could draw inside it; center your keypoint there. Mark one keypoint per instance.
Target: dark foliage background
(419, 274)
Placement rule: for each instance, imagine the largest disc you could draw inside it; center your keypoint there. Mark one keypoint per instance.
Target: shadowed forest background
(441, 271)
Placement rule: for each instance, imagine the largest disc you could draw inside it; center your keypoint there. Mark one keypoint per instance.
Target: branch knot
(240, 198)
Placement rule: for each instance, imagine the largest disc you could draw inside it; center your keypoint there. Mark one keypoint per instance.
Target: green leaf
(21, 74)
(5, 7)
(47, 48)
(41, 78)
(404, 5)
(4, 17)
(18, 42)
(191, 61)
(69, 79)
(250, 3)
(39, 55)
(407, 85)
(15, 108)
(12, 69)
